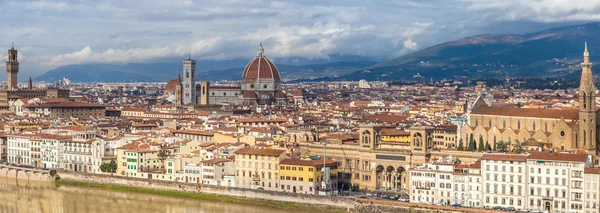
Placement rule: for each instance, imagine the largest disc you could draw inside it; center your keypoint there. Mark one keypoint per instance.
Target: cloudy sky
(52, 33)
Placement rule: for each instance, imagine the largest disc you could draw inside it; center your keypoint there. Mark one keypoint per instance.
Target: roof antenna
(189, 54)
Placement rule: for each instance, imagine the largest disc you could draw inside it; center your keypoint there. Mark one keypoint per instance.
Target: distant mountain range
(210, 70)
(549, 53)
(555, 52)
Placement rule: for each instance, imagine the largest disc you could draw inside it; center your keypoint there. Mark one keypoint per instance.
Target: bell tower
(12, 68)
(587, 106)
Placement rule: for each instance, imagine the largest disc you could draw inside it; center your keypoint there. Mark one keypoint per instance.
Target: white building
(215, 170)
(432, 184)
(592, 192)
(51, 151)
(364, 84)
(193, 173)
(504, 180)
(18, 151)
(556, 181)
(77, 152)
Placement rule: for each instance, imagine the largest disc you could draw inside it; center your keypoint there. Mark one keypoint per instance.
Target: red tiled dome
(250, 95)
(171, 85)
(280, 95)
(298, 93)
(260, 67)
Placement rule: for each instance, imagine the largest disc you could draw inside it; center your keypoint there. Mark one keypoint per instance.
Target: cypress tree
(480, 146)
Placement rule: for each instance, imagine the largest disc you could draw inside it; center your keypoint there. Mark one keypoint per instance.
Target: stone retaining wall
(26, 174)
(336, 202)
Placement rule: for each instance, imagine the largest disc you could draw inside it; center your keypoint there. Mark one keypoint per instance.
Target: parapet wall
(26, 174)
(335, 201)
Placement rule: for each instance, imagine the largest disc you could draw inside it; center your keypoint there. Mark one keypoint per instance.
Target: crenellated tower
(587, 106)
(12, 68)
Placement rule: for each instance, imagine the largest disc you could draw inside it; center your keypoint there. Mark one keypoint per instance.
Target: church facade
(260, 85)
(566, 129)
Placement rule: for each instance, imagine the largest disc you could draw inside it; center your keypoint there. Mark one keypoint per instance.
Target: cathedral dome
(260, 68)
(250, 95)
(171, 85)
(280, 95)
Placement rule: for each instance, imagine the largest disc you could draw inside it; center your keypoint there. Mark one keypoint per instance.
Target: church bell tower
(587, 106)
(12, 68)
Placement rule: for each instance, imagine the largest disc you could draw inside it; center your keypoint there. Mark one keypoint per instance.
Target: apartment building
(556, 181)
(504, 180)
(432, 183)
(592, 192)
(306, 176)
(18, 147)
(258, 168)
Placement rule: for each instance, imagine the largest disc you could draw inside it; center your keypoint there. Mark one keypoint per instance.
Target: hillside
(553, 52)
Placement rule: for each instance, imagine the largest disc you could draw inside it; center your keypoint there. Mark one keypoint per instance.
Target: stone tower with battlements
(12, 68)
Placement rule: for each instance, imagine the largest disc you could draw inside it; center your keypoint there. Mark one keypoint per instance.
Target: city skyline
(126, 32)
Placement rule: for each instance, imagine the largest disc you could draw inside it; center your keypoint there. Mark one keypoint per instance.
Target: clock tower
(12, 68)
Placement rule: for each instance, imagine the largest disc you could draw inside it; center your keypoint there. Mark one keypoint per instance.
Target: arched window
(584, 137)
(490, 123)
(504, 124)
(534, 125)
(584, 101)
(187, 74)
(519, 124)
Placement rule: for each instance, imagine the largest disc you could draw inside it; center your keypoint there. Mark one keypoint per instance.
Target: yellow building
(306, 176)
(258, 168)
(394, 135)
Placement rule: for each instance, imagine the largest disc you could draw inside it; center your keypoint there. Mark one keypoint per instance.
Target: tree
(162, 154)
(495, 143)
(460, 145)
(502, 146)
(471, 147)
(519, 105)
(109, 167)
(487, 146)
(480, 146)
(518, 147)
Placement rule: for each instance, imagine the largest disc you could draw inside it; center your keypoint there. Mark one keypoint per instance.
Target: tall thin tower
(587, 105)
(12, 68)
(189, 81)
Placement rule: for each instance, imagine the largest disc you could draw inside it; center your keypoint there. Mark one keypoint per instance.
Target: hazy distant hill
(553, 52)
(290, 68)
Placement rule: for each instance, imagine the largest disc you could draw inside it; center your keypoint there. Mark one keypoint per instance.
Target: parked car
(369, 194)
(535, 211)
(456, 205)
(497, 208)
(403, 199)
(510, 209)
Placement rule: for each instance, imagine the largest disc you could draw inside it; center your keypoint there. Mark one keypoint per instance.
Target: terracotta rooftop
(300, 162)
(65, 105)
(522, 112)
(265, 152)
(557, 156)
(502, 156)
(194, 132)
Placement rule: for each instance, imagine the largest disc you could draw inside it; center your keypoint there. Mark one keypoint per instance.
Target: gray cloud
(52, 33)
